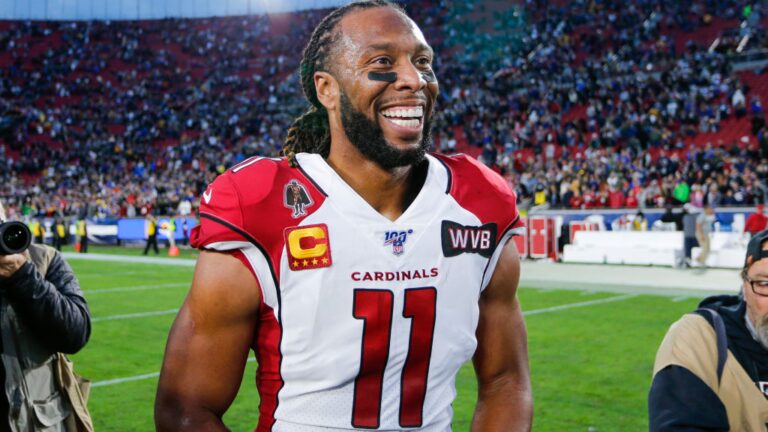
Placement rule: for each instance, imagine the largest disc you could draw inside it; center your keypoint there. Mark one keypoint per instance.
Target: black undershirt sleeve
(681, 402)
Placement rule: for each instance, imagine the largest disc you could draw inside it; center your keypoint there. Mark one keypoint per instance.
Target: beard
(761, 329)
(368, 137)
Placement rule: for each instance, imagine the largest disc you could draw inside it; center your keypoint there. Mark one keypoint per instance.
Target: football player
(348, 332)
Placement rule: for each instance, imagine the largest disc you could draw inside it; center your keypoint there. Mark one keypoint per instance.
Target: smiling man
(711, 371)
(362, 303)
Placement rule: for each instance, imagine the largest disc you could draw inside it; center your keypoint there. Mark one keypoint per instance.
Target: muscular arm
(504, 400)
(208, 346)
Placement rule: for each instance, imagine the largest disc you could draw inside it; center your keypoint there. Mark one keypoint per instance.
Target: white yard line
(184, 262)
(580, 304)
(681, 298)
(252, 359)
(126, 379)
(137, 288)
(134, 315)
(138, 377)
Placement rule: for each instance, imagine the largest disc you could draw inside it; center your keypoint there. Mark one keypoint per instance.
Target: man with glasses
(711, 371)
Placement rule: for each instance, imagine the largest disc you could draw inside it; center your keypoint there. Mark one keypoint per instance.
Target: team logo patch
(308, 247)
(297, 198)
(397, 240)
(458, 239)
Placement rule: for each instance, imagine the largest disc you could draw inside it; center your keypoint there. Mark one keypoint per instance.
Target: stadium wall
(82, 10)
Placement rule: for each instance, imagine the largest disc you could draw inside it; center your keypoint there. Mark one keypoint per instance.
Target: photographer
(42, 313)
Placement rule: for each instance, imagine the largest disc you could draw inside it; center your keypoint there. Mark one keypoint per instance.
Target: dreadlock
(311, 132)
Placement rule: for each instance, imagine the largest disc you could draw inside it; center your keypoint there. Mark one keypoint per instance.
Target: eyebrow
(389, 46)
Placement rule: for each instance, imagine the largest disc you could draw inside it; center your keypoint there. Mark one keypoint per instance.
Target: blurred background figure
(756, 221)
(703, 231)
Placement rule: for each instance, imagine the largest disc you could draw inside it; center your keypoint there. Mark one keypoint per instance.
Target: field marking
(138, 377)
(681, 298)
(531, 312)
(126, 379)
(580, 304)
(87, 274)
(134, 315)
(127, 259)
(137, 288)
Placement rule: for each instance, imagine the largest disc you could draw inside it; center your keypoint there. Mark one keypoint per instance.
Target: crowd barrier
(604, 237)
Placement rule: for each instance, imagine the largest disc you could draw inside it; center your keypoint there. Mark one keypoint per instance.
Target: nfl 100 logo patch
(397, 240)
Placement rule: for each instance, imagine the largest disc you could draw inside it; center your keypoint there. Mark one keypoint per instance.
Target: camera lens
(15, 237)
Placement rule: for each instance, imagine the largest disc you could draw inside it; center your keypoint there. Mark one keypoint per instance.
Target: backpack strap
(717, 323)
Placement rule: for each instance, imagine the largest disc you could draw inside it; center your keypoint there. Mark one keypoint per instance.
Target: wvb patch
(458, 239)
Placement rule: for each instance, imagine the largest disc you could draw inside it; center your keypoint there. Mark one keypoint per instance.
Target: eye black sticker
(389, 77)
(429, 76)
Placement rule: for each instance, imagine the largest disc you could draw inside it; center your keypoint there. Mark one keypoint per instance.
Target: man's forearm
(504, 405)
(171, 417)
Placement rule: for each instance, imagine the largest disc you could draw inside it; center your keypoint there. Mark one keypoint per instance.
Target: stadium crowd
(117, 119)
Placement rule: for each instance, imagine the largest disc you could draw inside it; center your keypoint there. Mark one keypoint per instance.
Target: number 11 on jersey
(374, 307)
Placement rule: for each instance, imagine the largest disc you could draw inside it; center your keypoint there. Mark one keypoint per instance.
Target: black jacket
(681, 401)
(52, 306)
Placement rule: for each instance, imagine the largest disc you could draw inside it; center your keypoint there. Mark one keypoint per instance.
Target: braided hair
(311, 132)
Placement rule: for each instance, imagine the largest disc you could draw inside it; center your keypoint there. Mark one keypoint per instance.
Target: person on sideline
(711, 371)
(42, 313)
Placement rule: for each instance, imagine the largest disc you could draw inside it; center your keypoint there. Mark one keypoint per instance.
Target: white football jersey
(365, 321)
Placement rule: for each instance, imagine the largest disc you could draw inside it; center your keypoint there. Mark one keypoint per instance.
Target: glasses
(759, 287)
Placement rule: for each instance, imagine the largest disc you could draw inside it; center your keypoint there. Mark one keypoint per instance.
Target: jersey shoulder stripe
(481, 191)
(255, 201)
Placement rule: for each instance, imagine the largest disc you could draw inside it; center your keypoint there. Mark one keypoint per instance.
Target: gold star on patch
(314, 261)
(306, 263)
(295, 263)
(325, 260)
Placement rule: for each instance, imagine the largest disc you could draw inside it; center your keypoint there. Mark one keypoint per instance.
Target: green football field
(591, 353)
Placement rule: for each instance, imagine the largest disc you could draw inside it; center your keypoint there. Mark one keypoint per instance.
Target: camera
(15, 237)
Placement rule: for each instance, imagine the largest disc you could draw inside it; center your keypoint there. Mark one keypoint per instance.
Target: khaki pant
(704, 244)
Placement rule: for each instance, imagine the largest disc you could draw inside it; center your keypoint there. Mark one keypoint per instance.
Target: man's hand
(9, 264)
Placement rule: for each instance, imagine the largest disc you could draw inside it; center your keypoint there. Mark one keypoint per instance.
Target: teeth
(415, 112)
(405, 123)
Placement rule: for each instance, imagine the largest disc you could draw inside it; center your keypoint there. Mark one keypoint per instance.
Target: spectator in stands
(704, 223)
(639, 222)
(110, 110)
(756, 221)
(712, 367)
(669, 217)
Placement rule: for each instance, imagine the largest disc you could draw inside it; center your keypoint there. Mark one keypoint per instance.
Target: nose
(410, 78)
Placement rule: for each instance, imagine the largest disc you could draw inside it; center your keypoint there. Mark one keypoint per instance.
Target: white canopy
(52, 10)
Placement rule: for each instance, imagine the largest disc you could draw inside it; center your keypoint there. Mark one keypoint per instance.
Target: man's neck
(389, 192)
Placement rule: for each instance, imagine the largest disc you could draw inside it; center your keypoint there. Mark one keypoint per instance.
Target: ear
(327, 90)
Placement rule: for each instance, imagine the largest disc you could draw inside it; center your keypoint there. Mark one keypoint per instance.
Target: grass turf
(590, 365)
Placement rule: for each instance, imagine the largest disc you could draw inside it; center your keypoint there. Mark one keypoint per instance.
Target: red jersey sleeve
(483, 192)
(221, 215)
